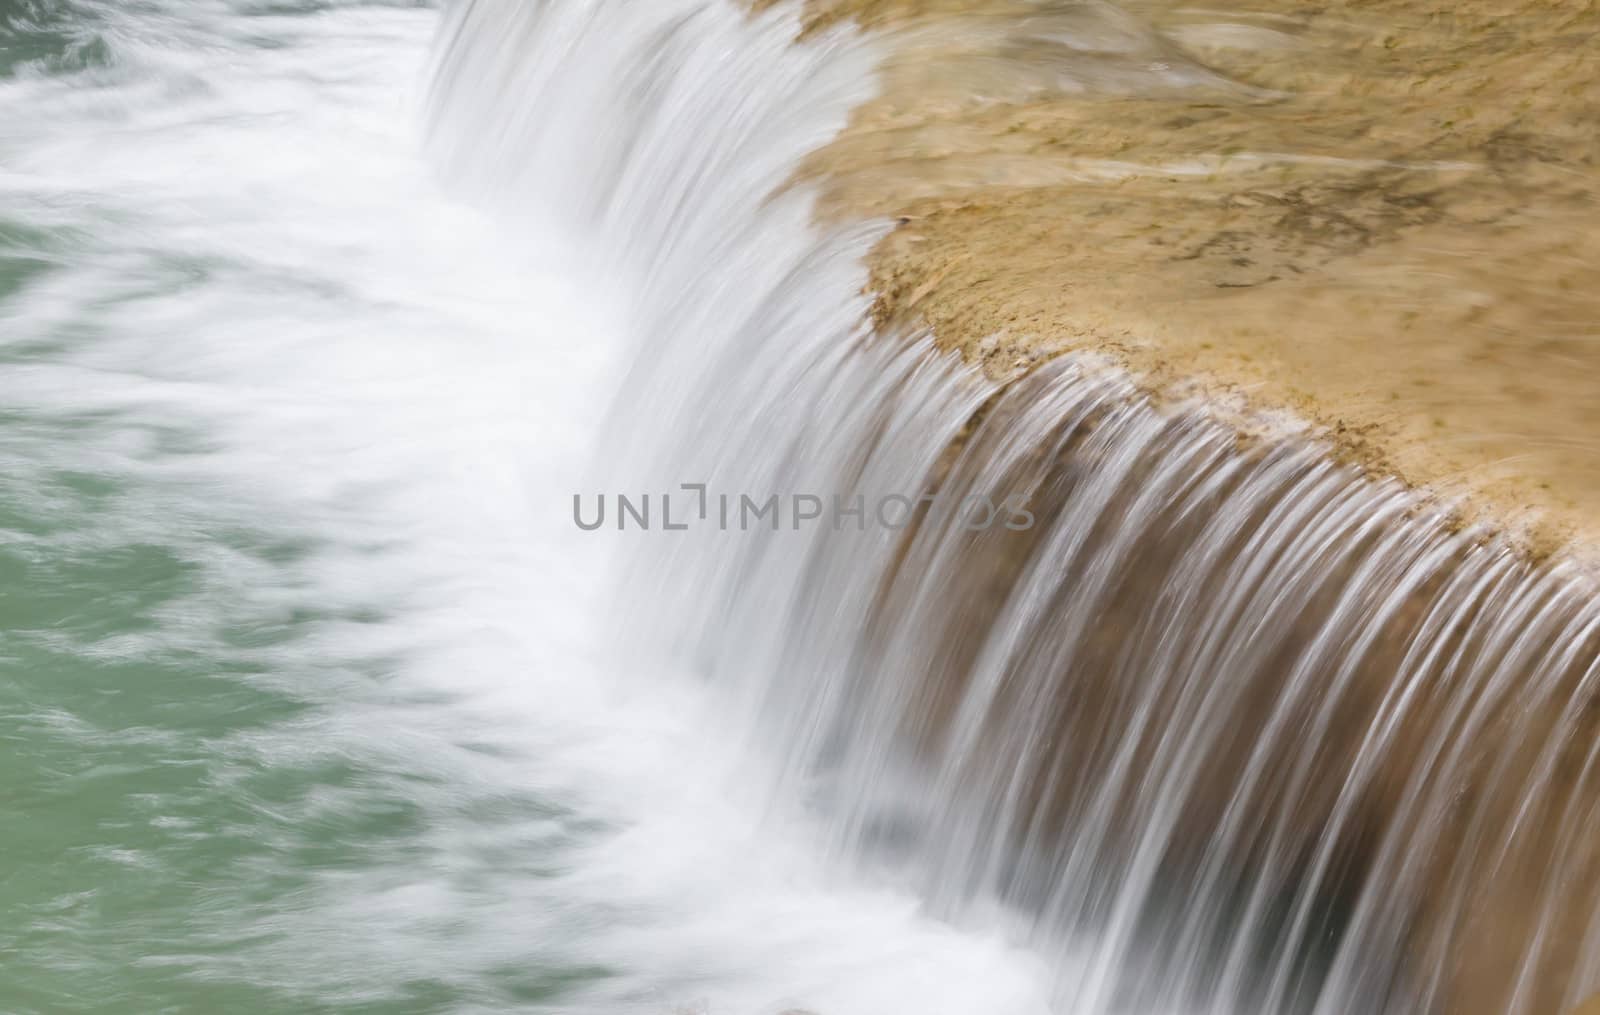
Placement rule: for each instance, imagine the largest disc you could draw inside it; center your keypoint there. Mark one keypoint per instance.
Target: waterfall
(1227, 726)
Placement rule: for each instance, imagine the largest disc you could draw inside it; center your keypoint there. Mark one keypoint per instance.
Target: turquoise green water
(194, 815)
(169, 801)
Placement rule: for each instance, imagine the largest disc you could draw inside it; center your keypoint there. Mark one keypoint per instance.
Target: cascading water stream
(1230, 728)
(316, 698)
(301, 689)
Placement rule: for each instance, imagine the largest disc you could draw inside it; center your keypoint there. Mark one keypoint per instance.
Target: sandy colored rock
(1380, 217)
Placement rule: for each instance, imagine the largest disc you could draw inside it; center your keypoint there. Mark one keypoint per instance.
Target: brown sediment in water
(1477, 814)
(1379, 218)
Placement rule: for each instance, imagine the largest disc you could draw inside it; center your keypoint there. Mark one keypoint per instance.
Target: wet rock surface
(1379, 217)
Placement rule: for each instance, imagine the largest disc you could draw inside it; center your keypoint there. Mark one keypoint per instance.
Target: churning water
(316, 318)
(305, 706)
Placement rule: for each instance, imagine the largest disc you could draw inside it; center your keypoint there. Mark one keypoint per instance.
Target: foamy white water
(346, 405)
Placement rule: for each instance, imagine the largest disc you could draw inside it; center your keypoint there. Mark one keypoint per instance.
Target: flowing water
(305, 706)
(316, 318)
